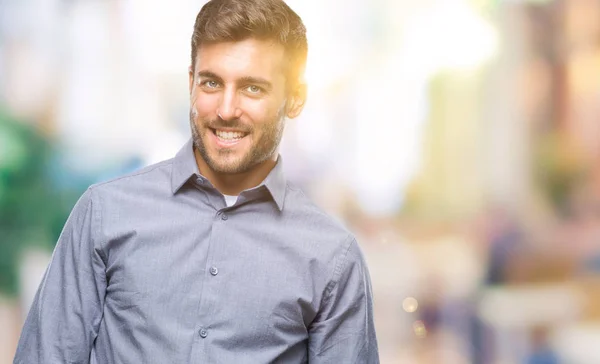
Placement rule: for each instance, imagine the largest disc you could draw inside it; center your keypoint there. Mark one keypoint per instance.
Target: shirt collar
(185, 167)
(276, 184)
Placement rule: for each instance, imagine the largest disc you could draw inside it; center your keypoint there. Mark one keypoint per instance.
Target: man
(211, 257)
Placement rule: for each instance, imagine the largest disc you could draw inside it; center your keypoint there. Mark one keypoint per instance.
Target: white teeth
(229, 135)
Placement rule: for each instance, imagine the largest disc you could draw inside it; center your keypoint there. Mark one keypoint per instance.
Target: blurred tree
(31, 209)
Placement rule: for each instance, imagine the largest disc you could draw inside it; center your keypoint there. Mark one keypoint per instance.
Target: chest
(238, 279)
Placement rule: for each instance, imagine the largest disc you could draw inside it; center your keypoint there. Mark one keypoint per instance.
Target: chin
(227, 165)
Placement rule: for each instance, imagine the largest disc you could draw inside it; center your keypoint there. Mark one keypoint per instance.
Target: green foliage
(30, 206)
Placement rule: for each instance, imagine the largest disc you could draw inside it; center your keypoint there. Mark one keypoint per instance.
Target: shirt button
(203, 333)
(214, 271)
(224, 217)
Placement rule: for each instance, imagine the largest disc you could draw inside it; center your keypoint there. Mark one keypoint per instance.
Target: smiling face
(239, 103)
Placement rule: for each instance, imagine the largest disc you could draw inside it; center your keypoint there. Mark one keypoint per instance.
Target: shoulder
(139, 176)
(328, 235)
(302, 210)
(155, 174)
(132, 193)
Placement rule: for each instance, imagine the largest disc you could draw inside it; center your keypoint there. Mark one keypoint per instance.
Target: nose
(229, 108)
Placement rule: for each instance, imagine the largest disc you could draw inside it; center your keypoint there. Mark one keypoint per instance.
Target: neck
(234, 183)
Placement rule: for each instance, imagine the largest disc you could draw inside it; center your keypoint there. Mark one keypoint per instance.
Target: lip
(228, 130)
(224, 144)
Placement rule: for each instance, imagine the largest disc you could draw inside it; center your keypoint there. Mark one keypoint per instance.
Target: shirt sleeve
(343, 331)
(67, 309)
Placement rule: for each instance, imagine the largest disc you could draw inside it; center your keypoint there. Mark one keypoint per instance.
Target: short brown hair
(237, 20)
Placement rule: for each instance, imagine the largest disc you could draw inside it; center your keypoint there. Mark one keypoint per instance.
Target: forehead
(249, 57)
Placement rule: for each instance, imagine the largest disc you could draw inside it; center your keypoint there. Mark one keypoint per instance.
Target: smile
(228, 137)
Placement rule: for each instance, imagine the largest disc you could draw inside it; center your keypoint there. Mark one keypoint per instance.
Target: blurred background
(459, 140)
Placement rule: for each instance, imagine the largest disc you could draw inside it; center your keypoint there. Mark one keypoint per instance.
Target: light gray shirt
(153, 267)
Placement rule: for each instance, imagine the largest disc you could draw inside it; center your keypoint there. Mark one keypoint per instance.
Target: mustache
(221, 124)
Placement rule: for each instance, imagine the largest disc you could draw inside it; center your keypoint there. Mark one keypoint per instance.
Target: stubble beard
(261, 151)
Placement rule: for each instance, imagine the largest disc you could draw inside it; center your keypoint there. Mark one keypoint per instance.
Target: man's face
(238, 103)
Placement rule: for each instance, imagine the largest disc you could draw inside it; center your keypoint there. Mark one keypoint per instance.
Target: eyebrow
(256, 81)
(208, 74)
(244, 80)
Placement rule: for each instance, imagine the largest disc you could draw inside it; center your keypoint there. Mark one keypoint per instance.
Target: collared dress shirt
(153, 267)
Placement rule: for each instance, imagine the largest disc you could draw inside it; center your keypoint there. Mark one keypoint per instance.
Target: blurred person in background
(542, 352)
(211, 256)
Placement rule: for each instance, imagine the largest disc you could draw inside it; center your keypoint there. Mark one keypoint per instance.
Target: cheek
(261, 112)
(204, 106)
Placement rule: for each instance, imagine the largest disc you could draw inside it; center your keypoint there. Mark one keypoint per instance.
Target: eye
(208, 84)
(211, 84)
(253, 89)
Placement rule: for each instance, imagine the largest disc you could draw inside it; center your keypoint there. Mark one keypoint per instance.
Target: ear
(296, 101)
(191, 76)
